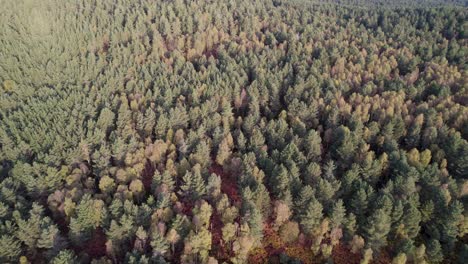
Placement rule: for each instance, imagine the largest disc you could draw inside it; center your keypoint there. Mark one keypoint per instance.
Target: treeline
(232, 131)
(390, 4)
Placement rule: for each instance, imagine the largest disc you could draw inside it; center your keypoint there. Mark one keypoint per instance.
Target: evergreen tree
(338, 213)
(65, 257)
(377, 229)
(113, 114)
(310, 220)
(10, 248)
(434, 251)
(158, 244)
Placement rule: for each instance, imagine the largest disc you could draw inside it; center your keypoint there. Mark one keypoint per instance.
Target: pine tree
(172, 237)
(411, 219)
(197, 246)
(344, 145)
(305, 196)
(213, 187)
(51, 241)
(281, 184)
(29, 231)
(89, 214)
(310, 220)
(229, 233)
(255, 221)
(168, 181)
(434, 251)
(338, 213)
(224, 150)
(149, 122)
(10, 248)
(262, 200)
(377, 229)
(201, 215)
(241, 142)
(313, 145)
(65, 257)
(181, 224)
(450, 225)
(201, 155)
(193, 186)
(198, 185)
(158, 244)
(140, 240)
(349, 226)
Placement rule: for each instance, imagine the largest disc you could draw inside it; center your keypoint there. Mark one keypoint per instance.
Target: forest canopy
(233, 131)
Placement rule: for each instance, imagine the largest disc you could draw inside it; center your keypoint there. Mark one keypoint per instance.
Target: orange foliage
(274, 246)
(342, 254)
(305, 255)
(258, 255)
(272, 241)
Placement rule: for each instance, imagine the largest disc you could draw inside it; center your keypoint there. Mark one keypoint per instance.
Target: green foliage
(338, 214)
(183, 131)
(10, 248)
(197, 245)
(65, 257)
(158, 244)
(193, 185)
(377, 229)
(38, 232)
(310, 220)
(89, 214)
(434, 251)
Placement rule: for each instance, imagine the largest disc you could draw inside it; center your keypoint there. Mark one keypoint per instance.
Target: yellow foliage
(413, 157)
(23, 260)
(8, 85)
(425, 158)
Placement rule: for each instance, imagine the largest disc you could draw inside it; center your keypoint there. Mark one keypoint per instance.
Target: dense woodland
(233, 131)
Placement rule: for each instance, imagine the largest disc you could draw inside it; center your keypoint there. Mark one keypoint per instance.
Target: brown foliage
(96, 246)
(342, 254)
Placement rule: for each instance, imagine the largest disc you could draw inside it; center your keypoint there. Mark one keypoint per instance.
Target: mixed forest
(233, 131)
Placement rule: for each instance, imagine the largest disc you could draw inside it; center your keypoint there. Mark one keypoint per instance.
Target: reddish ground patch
(211, 52)
(62, 224)
(229, 187)
(176, 257)
(383, 258)
(218, 248)
(228, 183)
(147, 176)
(96, 246)
(187, 208)
(342, 254)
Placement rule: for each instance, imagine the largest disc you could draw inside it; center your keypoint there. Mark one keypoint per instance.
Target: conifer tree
(377, 229)
(310, 220)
